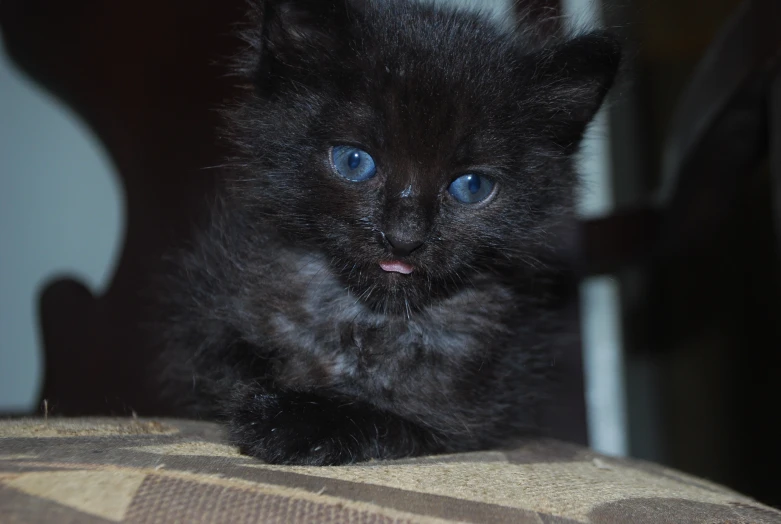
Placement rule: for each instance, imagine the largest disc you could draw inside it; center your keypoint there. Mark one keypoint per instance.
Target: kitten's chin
(390, 287)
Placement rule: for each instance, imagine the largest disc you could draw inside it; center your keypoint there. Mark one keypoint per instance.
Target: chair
(149, 98)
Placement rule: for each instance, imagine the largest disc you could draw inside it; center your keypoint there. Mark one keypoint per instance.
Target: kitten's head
(415, 146)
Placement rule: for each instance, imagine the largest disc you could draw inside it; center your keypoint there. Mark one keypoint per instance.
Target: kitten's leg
(287, 427)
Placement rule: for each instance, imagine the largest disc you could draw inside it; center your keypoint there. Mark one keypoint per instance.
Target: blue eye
(352, 163)
(471, 189)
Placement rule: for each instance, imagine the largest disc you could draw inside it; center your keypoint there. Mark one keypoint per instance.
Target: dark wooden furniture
(707, 327)
(146, 76)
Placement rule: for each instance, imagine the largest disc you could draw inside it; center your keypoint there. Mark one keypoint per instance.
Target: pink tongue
(395, 266)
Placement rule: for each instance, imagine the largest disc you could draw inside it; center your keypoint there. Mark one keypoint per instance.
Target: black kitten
(384, 276)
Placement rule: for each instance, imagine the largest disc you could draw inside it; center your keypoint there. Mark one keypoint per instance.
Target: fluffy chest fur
(321, 335)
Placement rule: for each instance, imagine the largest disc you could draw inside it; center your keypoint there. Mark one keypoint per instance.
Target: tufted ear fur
(293, 38)
(304, 29)
(571, 80)
(294, 35)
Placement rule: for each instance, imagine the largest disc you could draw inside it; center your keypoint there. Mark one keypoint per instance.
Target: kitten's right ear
(299, 32)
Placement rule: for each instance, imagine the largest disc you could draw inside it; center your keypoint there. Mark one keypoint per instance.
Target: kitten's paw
(297, 428)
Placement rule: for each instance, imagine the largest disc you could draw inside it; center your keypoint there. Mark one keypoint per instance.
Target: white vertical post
(603, 358)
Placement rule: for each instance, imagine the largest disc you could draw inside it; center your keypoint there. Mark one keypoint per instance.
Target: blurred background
(106, 124)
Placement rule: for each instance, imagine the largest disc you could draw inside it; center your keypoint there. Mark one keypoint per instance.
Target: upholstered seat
(144, 471)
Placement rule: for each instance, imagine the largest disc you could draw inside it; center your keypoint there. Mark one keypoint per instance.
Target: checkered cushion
(144, 471)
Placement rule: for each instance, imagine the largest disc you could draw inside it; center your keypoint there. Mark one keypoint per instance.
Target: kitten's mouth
(397, 266)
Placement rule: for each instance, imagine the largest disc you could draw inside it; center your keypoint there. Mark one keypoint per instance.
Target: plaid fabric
(145, 471)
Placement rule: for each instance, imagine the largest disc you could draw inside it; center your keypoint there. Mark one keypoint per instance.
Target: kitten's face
(415, 148)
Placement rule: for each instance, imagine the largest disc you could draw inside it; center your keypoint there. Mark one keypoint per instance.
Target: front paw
(299, 428)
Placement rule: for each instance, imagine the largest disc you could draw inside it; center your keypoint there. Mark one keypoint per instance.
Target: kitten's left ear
(573, 79)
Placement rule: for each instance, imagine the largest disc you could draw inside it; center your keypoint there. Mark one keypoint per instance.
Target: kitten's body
(285, 323)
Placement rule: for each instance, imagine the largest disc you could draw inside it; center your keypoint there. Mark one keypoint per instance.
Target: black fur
(284, 324)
